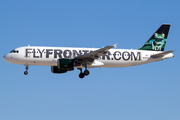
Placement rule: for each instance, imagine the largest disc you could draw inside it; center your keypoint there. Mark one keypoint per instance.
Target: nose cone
(5, 58)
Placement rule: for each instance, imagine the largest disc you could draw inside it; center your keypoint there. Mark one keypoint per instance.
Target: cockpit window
(14, 51)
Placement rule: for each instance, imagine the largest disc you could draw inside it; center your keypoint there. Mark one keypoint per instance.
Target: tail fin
(158, 40)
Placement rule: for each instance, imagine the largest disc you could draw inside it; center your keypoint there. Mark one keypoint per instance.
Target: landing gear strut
(26, 72)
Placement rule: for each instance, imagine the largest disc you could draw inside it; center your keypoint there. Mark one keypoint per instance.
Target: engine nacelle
(54, 69)
(65, 63)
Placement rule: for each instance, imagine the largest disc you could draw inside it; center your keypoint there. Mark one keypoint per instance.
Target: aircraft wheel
(86, 72)
(26, 72)
(81, 75)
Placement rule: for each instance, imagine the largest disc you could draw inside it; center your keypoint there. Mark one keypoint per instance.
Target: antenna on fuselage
(28, 45)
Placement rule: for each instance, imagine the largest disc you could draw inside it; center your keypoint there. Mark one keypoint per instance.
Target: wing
(89, 57)
(161, 54)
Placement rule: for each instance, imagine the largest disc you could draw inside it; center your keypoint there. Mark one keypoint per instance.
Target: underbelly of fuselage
(106, 63)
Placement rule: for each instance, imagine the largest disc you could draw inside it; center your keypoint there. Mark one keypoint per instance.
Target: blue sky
(145, 92)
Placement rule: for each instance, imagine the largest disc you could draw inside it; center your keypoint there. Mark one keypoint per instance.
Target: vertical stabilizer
(158, 40)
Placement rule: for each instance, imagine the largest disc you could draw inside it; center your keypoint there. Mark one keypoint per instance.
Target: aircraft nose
(5, 57)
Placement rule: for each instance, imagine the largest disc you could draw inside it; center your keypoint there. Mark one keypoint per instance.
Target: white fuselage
(48, 56)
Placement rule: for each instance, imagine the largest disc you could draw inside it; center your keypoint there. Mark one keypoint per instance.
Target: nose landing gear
(26, 72)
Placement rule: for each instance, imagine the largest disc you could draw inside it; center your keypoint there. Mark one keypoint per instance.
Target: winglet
(115, 45)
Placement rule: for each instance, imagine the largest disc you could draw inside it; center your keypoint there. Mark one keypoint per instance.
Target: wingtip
(115, 45)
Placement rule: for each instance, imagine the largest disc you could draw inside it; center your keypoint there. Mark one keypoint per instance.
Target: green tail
(158, 40)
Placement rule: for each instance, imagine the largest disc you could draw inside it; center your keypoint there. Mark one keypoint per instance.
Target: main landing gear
(26, 72)
(82, 74)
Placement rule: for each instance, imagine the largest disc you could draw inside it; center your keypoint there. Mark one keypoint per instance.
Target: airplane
(64, 59)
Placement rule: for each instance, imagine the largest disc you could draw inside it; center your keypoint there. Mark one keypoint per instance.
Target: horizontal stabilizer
(161, 54)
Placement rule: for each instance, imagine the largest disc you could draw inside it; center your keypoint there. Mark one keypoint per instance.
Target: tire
(26, 72)
(81, 75)
(86, 72)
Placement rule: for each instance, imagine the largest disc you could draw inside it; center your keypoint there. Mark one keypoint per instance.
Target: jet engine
(63, 65)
